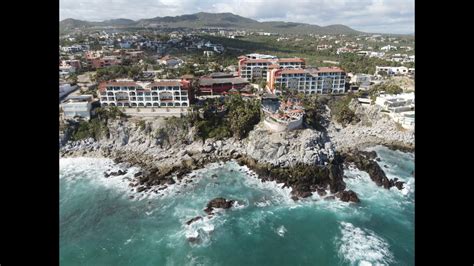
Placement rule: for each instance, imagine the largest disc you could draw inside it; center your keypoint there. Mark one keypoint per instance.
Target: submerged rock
(218, 203)
(141, 188)
(321, 192)
(348, 195)
(399, 185)
(193, 220)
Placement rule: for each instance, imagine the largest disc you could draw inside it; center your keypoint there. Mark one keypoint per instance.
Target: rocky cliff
(374, 128)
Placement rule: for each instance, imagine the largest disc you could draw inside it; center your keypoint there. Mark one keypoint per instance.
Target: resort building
(219, 83)
(125, 93)
(77, 106)
(321, 80)
(256, 66)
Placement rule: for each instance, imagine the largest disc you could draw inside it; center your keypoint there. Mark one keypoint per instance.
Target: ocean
(101, 225)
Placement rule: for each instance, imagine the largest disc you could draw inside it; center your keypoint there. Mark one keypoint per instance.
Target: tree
(72, 79)
(262, 83)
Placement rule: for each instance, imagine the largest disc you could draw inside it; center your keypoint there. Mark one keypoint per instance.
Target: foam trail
(363, 247)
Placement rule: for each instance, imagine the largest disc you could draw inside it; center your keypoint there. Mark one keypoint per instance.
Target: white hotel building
(164, 93)
(255, 66)
(322, 80)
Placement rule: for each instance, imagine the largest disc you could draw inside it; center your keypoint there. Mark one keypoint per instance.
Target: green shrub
(341, 112)
(94, 128)
(141, 124)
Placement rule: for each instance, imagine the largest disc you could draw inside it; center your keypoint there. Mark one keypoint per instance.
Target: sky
(381, 16)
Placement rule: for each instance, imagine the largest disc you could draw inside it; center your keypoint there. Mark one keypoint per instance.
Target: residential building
(125, 45)
(321, 80)
(77, 106)
(256, 66)
(65, 70)
(96, 59)
(170, 62)
(388, 48)
(65, 89)
(219, 83)
(394, 70)
(361, 78)
(126, 93)
(400, 107)
(74, 63)
(75, 48)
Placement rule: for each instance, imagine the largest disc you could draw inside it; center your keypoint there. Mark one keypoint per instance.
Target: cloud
(390, 16)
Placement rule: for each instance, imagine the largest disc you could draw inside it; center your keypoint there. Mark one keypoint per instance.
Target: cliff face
(374, 128)
(279, 149)
(302, 159)
(288, 148)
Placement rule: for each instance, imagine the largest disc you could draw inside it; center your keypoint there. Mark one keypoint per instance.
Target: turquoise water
(101, 225)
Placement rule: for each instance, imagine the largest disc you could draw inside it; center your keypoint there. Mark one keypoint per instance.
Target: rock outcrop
(218, 203)
(194, 219)
(303, 179)
(365, 161)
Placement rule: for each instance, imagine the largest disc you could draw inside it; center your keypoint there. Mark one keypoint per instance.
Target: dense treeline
(115, 72)
(362, 64)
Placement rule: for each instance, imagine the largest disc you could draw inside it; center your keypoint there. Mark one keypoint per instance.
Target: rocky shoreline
(306, 160)
(375, 128)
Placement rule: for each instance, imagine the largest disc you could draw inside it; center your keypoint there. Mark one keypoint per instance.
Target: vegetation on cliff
(341, 112)
(95, 128)
(236, 117)
(315, 107)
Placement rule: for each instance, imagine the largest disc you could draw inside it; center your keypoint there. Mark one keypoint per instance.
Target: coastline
(272, 155)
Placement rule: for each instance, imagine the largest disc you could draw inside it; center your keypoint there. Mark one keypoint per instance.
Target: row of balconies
(307, 81)
(144, 99)
(146, 93)
(155, 104)
(135, 88)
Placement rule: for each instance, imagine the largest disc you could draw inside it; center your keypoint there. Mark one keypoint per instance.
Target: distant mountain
(119, 22)
(214, 20)
(70, 24)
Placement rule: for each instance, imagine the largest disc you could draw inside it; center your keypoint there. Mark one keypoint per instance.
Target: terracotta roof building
(322, 80)
(255, 66)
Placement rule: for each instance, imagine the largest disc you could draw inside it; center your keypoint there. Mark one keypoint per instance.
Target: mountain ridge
(208, 20)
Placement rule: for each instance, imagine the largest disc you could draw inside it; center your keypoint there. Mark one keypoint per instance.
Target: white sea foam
(280, 194)
(363, 246)
(281, 231)
(92, 169)
(263, 203)
(202, 229)
(71, 169)
(238, 205)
